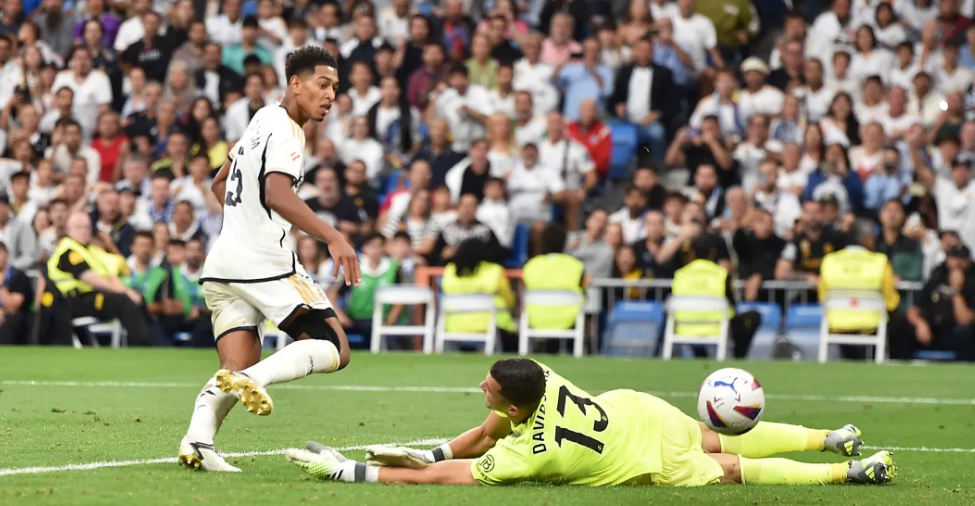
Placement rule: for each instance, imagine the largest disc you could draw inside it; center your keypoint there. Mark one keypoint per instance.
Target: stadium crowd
(785, 134)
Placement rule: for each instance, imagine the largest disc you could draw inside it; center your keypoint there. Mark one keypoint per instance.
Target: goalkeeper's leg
(771, 438)
(876, 469)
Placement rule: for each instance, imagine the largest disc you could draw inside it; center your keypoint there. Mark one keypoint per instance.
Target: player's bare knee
(239, 349)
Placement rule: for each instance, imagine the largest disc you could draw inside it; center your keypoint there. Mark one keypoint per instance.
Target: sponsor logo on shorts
(487, 463)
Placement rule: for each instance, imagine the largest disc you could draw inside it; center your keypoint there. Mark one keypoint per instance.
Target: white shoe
(202, 456)
(251, 395)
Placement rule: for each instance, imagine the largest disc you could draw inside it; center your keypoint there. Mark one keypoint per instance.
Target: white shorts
(247, 306)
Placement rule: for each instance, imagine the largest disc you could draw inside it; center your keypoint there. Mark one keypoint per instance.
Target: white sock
(212, 406)
(351, 471)
(295, 361)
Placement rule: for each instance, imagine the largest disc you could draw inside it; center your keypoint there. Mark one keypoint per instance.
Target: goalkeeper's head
(514, 386)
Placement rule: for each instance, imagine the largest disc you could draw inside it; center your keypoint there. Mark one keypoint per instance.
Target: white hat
(755, 64)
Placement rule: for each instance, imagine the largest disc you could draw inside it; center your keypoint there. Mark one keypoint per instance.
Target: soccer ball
(731, 401)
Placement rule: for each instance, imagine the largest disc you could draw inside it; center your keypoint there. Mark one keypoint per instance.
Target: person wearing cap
(758, 97)
(857, 269)
(234, 54)
(943, 314)
(703, 277)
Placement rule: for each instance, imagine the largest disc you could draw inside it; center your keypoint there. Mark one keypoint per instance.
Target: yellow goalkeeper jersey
(574, 438)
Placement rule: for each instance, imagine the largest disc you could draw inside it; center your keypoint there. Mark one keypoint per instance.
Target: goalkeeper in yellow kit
(542, 428)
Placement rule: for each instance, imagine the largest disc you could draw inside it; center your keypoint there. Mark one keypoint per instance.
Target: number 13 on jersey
(579, 422)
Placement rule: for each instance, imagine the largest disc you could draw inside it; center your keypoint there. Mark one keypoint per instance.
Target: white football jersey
(251, 247)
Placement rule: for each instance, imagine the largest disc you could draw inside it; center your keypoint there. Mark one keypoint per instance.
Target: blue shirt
(234, 54)
(666, 57)
(881, 187)
(578, 84)
(965, 58)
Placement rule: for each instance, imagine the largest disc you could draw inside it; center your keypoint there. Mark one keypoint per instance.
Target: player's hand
(398, 457)
(344, 257)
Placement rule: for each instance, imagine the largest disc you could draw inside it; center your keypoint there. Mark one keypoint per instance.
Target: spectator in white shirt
(362, 147)
(815, 95)
(535, 76)
(897, 120)
(869, 155)
(66, 146)
(571, 161)
(363, 93)
(533, 188)
(925, 102)
(131, 30)
(631, 217)
(227, 28)
(955, 197)
(756, 148)
(92, 89)
(503, 152)
(493, 211)
(869, 60)
(758, 97)
(903, 74)
(696, 34)
(723, 104)
(503, 95)
(240, 113)
(394, 22)
(948, 75)
(271, 27)
(889, 30)
(529, 126)
(792, 178)
(841, 78)
(872, 107)
(465, 106)
(829, 32)
(297, 39)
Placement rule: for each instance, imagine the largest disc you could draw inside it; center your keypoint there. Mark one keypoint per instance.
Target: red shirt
(110, 153)
(598, 140)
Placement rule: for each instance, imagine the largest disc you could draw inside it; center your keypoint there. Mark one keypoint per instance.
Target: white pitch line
(922, 449)
(172, 460)
(436, 389)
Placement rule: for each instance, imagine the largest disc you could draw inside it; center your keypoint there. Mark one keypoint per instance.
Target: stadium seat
(696, 304)
(519, 248)
(548, 298)
(633, 329)
(467, 303)
(763, 343)
(97, 327)
(858, 302)
(625, 145)
(936, 355)
(802, 322)
(409, 295)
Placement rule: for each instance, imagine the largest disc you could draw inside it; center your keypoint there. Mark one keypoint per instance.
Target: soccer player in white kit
(251, 276)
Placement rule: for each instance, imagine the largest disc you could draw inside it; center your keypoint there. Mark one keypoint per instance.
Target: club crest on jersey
(487, 463)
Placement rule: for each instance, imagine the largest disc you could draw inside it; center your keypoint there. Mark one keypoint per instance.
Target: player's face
(316, 92)
(492, 395)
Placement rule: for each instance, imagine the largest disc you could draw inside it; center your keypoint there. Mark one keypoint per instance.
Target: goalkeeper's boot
(251, 395)
(203, 456)
(878, 468)
(326, 464)
(844, 441)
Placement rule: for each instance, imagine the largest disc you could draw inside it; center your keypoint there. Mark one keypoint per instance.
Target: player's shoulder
(281, 123)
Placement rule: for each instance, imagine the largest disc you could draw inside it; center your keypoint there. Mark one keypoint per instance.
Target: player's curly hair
(306, 59)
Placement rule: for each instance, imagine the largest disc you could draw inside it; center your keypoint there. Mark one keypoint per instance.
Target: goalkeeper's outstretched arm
(477, 441)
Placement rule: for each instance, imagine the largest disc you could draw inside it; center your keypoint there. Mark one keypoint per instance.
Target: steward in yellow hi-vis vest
(468, 273)
(857, 269)
(553, 270)
(85, 283)
(702, 277)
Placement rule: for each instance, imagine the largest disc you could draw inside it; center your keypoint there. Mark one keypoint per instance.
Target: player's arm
(452, 472)
(286, 203)
(219, 184)
(471, 444)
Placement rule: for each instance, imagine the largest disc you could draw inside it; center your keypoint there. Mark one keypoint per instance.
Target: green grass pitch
(106, 406)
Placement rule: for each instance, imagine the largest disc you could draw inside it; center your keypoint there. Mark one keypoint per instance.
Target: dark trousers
(199, 328)
(741, 331)
(15, 329)
(115, 306)
(902, 339)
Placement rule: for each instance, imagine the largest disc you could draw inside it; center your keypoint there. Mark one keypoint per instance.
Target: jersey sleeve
(73, 263)
(284, 154)
(506, 463)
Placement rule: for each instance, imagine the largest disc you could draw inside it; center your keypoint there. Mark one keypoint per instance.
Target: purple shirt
(110, 26)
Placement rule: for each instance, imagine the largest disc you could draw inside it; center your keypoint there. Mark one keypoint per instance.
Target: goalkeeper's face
(492, 395)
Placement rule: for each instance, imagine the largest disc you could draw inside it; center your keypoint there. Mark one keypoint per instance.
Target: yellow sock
(770, 438)
(790, 472)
